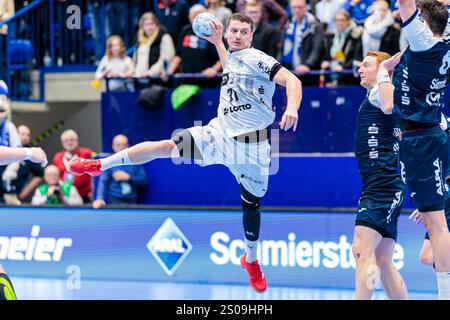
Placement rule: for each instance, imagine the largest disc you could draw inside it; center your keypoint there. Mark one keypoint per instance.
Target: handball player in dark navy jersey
(376, 150)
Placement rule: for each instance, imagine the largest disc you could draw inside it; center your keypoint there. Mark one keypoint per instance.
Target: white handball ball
(201, 24)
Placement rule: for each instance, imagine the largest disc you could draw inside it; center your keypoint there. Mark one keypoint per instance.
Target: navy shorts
(381, 203)
(423, 163)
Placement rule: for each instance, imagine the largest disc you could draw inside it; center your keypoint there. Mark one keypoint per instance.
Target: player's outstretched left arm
(9, 155)
(294, 97)
(217, 39)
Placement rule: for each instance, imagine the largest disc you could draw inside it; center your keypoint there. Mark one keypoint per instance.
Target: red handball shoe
(81, 166)
(257, 278)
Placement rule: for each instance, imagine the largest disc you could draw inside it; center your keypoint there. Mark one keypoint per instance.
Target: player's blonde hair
(142, 37)
(380, 56)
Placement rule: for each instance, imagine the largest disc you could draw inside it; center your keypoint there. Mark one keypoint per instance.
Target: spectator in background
(272, 12)
(71, 150)
(302, 43)
(120, 185)
(194, 54)
(342, 48)
(54, 191)
(359, 10)
(115, 64)
(217, 8)
(173, 15)
(22, 187)
(326, 11)
(380, 30)
(155, 48)
(7, 10)
(265, 37)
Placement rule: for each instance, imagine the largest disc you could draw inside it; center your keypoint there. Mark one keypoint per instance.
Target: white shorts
(249, 162)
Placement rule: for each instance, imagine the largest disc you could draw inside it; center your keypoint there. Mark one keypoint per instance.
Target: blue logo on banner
(169, 246)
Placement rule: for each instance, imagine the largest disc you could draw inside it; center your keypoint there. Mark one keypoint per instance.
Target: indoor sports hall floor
(53, 289)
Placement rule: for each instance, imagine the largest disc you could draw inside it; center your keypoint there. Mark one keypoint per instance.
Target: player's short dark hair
(242, 17)
(435, 14)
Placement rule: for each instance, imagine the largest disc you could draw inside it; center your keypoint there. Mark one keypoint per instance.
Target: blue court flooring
(56, 289)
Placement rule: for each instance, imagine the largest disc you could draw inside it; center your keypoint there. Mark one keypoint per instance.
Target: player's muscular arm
(9, 155)
(216, 39)
(386, 90)
(406, 8)
(294, 97)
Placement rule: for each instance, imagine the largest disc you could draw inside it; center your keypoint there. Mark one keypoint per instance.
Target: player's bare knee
(360, 252)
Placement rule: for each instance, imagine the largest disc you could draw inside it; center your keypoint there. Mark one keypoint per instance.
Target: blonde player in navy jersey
(237, 137)
(376, 151)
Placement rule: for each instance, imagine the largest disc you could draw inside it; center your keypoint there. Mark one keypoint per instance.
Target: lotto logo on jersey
(169, 246)
(232, 109)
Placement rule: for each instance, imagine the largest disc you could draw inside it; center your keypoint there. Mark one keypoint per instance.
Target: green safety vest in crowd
(65, 188)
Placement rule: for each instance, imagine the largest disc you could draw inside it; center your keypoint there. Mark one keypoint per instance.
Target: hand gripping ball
(201, 24)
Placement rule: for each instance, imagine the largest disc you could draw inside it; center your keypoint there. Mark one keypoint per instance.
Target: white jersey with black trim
(247, 90)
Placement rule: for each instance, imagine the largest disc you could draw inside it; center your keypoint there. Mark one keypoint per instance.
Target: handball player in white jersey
(237, 137)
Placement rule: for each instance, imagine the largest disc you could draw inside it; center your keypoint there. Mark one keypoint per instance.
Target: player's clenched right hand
(217, 29)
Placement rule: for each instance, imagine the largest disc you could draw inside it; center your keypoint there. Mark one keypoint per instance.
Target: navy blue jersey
(376, 138)
(421, 77)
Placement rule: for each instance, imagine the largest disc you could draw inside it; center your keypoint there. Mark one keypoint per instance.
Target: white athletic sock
(119, 159)
(251, 248)
(443, 281)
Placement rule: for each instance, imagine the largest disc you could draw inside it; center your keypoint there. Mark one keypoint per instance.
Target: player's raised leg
(393, 283)
(137, 154)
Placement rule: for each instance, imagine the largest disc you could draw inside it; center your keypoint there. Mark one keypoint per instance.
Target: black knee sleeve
(251, 216)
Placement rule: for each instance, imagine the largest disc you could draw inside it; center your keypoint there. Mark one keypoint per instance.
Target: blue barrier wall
(326, 119)
(297, 249)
